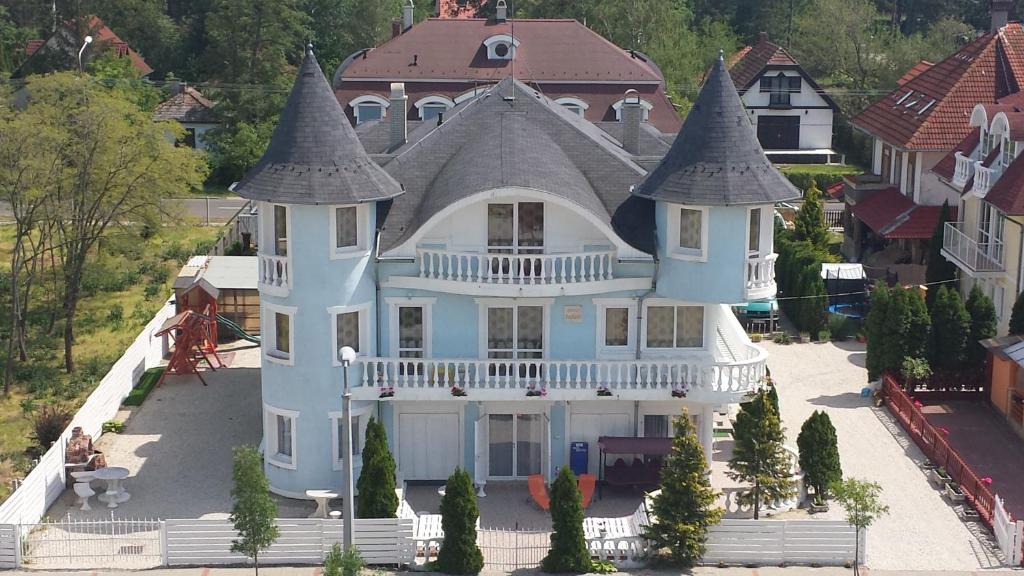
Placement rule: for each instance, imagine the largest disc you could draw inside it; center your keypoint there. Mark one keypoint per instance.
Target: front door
(428, 445)
(779, 132)
(516, 445)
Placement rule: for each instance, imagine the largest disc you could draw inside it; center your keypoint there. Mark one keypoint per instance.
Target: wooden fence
(301, 541)
(773, 542)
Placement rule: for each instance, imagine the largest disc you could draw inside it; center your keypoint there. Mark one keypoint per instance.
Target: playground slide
(236, 330)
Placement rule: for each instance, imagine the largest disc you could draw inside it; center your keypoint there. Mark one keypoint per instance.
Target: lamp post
(88, 40)
(348, 355)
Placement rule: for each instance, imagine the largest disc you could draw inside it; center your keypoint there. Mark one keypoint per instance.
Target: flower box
(536, 393)
(387, 393)
(458, 392)
(604, 392)
(939, 476)
(954, 493)
(815, 508)
(678, 393)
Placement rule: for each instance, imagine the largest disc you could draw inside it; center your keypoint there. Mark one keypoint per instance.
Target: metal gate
(123, 543)
(508, 549)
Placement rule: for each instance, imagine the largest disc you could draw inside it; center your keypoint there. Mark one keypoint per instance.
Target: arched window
(647, 106)
(575, 104)
(368, 107)
(431, 106)
(501, 47)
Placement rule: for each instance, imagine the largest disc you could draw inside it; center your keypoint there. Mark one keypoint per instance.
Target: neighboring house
(446, 61)
(453, 9)
(515, 253)
(60, 50)
(895, 208)
(190, 109)
(1006, 383)
(792, 114)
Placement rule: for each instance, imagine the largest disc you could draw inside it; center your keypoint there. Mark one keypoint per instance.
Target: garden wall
(774, 542)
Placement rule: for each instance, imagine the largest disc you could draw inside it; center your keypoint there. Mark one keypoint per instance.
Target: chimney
(762, 37)
(397, 112)
(408, 15)
(1000, 11)
(396, 28)
(631, 115)
(501, 11)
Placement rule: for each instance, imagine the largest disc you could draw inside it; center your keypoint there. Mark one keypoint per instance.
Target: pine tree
(950, 327)
(758, 456)
(983, 326)
(684, 507)
(459, 553)
(879, 327)
(377, 496)
(254, 512)
(568, 551)
(810, 219)
(913, 340)
(819, 453)
(939, 269)
(1017, 315)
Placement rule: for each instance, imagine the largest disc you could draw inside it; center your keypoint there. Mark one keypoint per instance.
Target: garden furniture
(115, 493)
(322, 497)
(84, 491)
(538, 491)
(587, 483)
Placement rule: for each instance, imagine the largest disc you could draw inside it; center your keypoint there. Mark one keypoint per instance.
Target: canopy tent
(640, 472)
(630, 445)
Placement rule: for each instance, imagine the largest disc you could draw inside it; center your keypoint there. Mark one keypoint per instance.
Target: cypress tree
(939, 269)
(819, 453)
(950, 327)
(878, 327)
(1017, 315)
(685, 506)
(568, 551)
(913, 341)
(983, 326)
(377, 496)
(459, 553)
(758, 456)
(810, 223)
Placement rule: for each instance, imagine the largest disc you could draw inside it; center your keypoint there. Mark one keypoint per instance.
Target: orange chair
(587, 483)
(538, 491)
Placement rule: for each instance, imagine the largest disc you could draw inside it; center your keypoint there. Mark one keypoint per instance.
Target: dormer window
(647, 106)
(433, 106)
(368, 108)
(575, 105)
(501, 47)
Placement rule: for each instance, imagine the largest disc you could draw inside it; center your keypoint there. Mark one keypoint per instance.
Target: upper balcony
(964, 170)
(984, 178)
(508, 274)
(275, 278)
(760, 277)
(977, 259)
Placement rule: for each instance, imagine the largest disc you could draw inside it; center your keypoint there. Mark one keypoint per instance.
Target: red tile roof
(914, 72)
(746, 65)
(1007, 193)
(882, 208)
(947, 166)
(836, 190)
(452, 9)
(188, 105)
(920, 223)
(931, 110)
(101, 33)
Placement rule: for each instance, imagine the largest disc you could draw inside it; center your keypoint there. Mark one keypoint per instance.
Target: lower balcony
(977, 259)
(274, 276)
(760, 277)
(699, 378)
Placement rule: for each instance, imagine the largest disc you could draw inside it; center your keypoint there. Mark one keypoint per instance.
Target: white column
(707, 433)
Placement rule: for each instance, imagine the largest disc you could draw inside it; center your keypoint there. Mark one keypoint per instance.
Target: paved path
(922, 531)
(700, 571)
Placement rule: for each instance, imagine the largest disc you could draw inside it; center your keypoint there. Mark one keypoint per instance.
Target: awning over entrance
(894, 216)
(630, 445)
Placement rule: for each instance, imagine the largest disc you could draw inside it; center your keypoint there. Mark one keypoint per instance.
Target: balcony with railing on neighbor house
(976, 258)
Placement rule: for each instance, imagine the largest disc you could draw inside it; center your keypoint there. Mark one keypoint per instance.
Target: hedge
(146, 383)
(824, 174)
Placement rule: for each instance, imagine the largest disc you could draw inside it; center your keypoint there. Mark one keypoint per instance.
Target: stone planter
(805, 338)
(937, 478)
(954, 493)
(817, 508)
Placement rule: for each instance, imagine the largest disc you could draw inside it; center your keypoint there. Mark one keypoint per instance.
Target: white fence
(45, 482)
(10, 554)
(1009, 534)
(770, 542)
(301, 541)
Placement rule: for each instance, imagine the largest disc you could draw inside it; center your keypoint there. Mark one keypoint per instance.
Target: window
(690, 229)
(990, 232)
(656, 426)
(351, 328)
(516, 228)
(348, 239)
(279, 338)
(575, 105)
(675, 326)
(754, 232)
(368, 112)
(897, 177)
(189, 138)
(501, 47)
(616, 326)
(1009, 151)
(780, 87)
(280, 230)
(337, 432)
(282, 333)
(911, 173)
(280, 435)
(410, 332)
(515, 332)
(501, 50)
(432, 111)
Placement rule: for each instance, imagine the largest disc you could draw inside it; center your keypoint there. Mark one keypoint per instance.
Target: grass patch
(824, 174)
(722, 434)
(146, 384)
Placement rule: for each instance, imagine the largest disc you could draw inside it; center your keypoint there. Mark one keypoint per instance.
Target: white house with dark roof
(513, 279)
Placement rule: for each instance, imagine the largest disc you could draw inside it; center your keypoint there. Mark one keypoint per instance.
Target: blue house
(513, 278)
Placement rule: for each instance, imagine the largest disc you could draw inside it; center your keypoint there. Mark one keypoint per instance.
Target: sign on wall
(572, 314)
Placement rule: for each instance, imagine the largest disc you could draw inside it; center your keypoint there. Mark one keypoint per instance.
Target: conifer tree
(810, 219)
(819, 453)
(879, 326)
(459, 553)
(568, 551)
(758, 456)
(1017, 315)
(939, 269)
(684, 507)
(377, 496)
(950, 328)
(983, 326)
(254, 512)
(913, 340)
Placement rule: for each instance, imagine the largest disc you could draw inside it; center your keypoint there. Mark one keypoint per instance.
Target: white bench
(619, 540)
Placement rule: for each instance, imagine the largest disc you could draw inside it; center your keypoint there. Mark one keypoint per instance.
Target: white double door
(512, 445)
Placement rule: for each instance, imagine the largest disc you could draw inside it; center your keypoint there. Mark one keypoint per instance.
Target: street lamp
(88, 40)
(348, 355)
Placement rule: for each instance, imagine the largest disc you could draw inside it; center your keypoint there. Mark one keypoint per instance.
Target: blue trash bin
(578, 457)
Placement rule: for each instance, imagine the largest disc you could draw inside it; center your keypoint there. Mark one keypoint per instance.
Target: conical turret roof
(716, 159)
(314, 156)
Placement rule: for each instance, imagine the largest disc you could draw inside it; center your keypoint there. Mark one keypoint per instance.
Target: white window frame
(369, 99)
(473, 93)
(674, 351)
(515, 248)
(647, 106)
(363, 310)
(361, 247)
(394, 303)
(334, 417)
(270, 233)
(761, 240)
(492, 42)
(270, 414)
(485, 303)
(432, 101)
(674, 250)
(1009, 150)
(575, 105)
(616, 352)
(270, 352)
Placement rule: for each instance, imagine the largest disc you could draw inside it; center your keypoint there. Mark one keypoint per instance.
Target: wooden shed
(234, 278)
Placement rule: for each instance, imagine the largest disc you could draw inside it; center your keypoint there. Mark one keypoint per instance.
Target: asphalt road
(215, 209)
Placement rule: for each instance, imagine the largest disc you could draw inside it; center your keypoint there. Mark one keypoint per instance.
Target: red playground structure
(195, 338)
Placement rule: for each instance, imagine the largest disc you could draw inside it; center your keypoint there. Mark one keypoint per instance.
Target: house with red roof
(446, 61)
(894, 210)
(792, 114)
(60, 51)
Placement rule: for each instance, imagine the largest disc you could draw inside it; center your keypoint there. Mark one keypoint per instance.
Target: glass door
(515, 228)
(516, 445)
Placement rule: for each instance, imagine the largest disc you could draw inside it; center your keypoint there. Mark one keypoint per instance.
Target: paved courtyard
(922, 531)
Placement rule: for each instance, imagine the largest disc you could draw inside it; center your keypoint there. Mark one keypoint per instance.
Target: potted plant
(862, 337)
(603, 391)
(929, 465)
(915, 371)
(954, 492)
(878, 397)
(805, 337)
(756, 337)
(458, 391)
(387, 392)
(533, 392)
(939, 476)
(781, 338)
(679, 392)
(819, 504)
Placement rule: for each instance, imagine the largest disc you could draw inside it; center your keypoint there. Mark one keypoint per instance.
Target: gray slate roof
(530, 142)
(314, 156)
(716, 159)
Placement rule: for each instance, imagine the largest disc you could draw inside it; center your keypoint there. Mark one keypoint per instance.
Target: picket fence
(770, 542)
(45, 482)
(1009, 534)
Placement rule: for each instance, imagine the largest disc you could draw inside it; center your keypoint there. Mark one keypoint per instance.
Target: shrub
(1017, 315)
(459, 552)
(338, 563)
(825, 175)
(819, 453)
(48, 422)
(152, 290)
(568, 551)
(115, 317)
(897, 326)
(145, 385)
(950, 328)
(839, 326)
(824, 336)
(983, 326)
(810, 220)
(782, 338)
(915, 371)
(113, 426)
(377, 497)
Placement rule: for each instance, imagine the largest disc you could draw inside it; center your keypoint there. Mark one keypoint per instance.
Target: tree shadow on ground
(844, 400)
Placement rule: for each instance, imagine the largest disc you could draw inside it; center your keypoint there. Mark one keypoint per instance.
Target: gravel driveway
(922, 531)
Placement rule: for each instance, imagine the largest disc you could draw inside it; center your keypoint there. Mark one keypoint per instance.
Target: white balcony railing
(984, 178)
(528, 269)
(969, 254)
(760, 277)
(964, 169)
(697, 377)
(274, 273)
